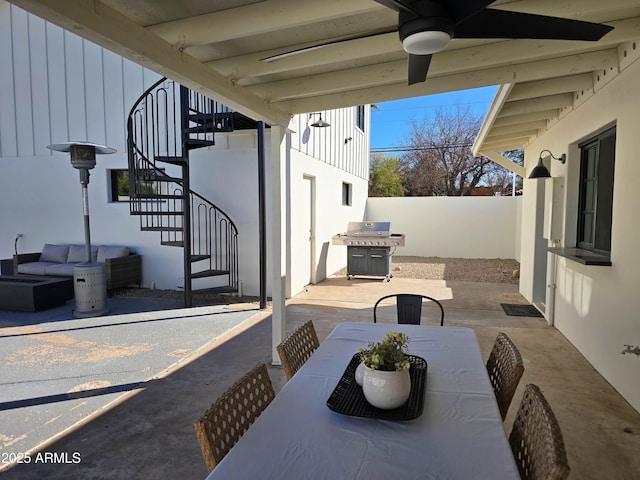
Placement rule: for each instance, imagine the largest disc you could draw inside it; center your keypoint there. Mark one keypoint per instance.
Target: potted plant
(385, 371)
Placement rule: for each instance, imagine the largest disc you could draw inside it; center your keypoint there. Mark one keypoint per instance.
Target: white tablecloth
(459, 435)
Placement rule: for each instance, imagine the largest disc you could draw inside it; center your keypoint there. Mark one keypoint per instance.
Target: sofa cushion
(54, 253)
(34, 268)
(60, 269)
(78, 254)
(105, 251)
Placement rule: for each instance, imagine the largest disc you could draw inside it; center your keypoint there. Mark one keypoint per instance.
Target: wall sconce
(347, 140)
(320, 123)
(15, 244)
(540, 171)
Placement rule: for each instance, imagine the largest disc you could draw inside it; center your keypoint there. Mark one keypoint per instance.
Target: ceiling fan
(427, 26)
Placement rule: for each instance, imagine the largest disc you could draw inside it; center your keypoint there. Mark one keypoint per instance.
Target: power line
(401, 148)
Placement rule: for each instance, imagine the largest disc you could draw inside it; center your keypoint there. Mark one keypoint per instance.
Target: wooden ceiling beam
(256, 18)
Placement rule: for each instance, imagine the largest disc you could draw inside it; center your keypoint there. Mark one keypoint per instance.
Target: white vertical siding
(56, 86)
(8, 142)
(57, 89)
(331, 144)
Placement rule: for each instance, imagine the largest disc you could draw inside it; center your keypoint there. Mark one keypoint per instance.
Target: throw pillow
(105, 252)
(78, 254)
(54, 253)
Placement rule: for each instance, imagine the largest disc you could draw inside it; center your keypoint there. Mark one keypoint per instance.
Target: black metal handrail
(161, 129)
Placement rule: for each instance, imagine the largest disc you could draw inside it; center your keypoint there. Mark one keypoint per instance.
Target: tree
(384, 178)
(501, 179)
(440, 161)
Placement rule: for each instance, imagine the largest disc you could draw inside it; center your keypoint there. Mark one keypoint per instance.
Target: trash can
(90, 290)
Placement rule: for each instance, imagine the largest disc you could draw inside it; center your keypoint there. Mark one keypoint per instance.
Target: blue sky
(392, 124)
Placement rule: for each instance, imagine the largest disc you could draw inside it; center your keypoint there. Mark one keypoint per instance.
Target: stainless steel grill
(369, 234)
(369, 248)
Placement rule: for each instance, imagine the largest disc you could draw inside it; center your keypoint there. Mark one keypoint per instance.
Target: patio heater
(89, 278)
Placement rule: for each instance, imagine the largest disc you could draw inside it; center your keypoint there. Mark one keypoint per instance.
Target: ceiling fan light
(426, 43)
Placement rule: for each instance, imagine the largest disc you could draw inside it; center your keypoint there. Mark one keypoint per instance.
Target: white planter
(386, 390)
(359, 373)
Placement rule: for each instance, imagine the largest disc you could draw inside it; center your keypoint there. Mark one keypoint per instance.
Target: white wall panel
(8, 130)
(451, 227)
(39, 85)
(114, 110)
(94, 98)
(75, 85)
(57, 86)
(22, 82)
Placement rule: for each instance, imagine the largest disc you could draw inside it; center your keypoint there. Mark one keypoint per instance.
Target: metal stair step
(198, 258)
(161, 229)
(159, 178)
(174, 243)
(193, 143)
(223, 289)
(170, 159)
(209, 273)
(158, 196)
(159, 214)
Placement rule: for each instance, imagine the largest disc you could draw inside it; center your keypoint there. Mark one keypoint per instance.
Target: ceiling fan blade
(398, 6)
(462, 9)
(290, 53)
(490, 23)
(458, 9)
(418, 68)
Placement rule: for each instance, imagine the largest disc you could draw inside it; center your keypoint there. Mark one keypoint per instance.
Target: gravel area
(494, 270)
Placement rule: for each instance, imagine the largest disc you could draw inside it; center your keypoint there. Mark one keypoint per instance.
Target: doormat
(519, 310)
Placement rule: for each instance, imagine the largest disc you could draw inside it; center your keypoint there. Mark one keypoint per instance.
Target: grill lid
(370, 229)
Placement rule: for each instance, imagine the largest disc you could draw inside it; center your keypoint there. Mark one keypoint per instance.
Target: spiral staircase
(164, 125)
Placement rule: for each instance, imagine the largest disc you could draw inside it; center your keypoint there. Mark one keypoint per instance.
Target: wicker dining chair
(297, 348)
(226, 420)
(505, 369)
(536, 439)
(409, 307)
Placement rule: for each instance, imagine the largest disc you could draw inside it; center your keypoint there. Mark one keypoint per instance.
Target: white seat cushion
(35, 268)
(60, 269)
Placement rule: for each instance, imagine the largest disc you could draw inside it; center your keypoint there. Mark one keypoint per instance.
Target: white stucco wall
(228, 172)
(456, 227)
(595, 307)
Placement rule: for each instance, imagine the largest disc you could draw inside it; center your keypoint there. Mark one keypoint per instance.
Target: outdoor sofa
(123, 267)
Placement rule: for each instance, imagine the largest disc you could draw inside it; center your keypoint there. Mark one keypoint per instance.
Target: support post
(84, 182)
(278, 240)
(186, 190)
(262, 216)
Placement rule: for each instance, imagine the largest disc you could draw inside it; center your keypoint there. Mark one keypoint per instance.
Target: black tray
(347, 398)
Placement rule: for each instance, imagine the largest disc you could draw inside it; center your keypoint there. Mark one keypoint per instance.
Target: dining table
(459, 433)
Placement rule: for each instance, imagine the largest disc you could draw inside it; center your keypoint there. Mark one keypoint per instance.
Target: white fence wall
(452, 227)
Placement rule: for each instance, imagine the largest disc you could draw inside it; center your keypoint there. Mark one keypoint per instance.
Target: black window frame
(347, 194)
(360, 117)
(595, 201)
(114, 174)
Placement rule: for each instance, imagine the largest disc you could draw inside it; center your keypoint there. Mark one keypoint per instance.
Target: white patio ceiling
(216, 47)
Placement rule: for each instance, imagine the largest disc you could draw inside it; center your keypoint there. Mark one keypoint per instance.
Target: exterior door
(307, 226)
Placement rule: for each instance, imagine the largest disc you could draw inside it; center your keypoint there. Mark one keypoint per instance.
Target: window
(346, 193)
(119, 185)
(595, 207)
(119, 179)
(360, 117)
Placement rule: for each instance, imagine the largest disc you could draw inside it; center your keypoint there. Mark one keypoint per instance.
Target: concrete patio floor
(149, 434)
